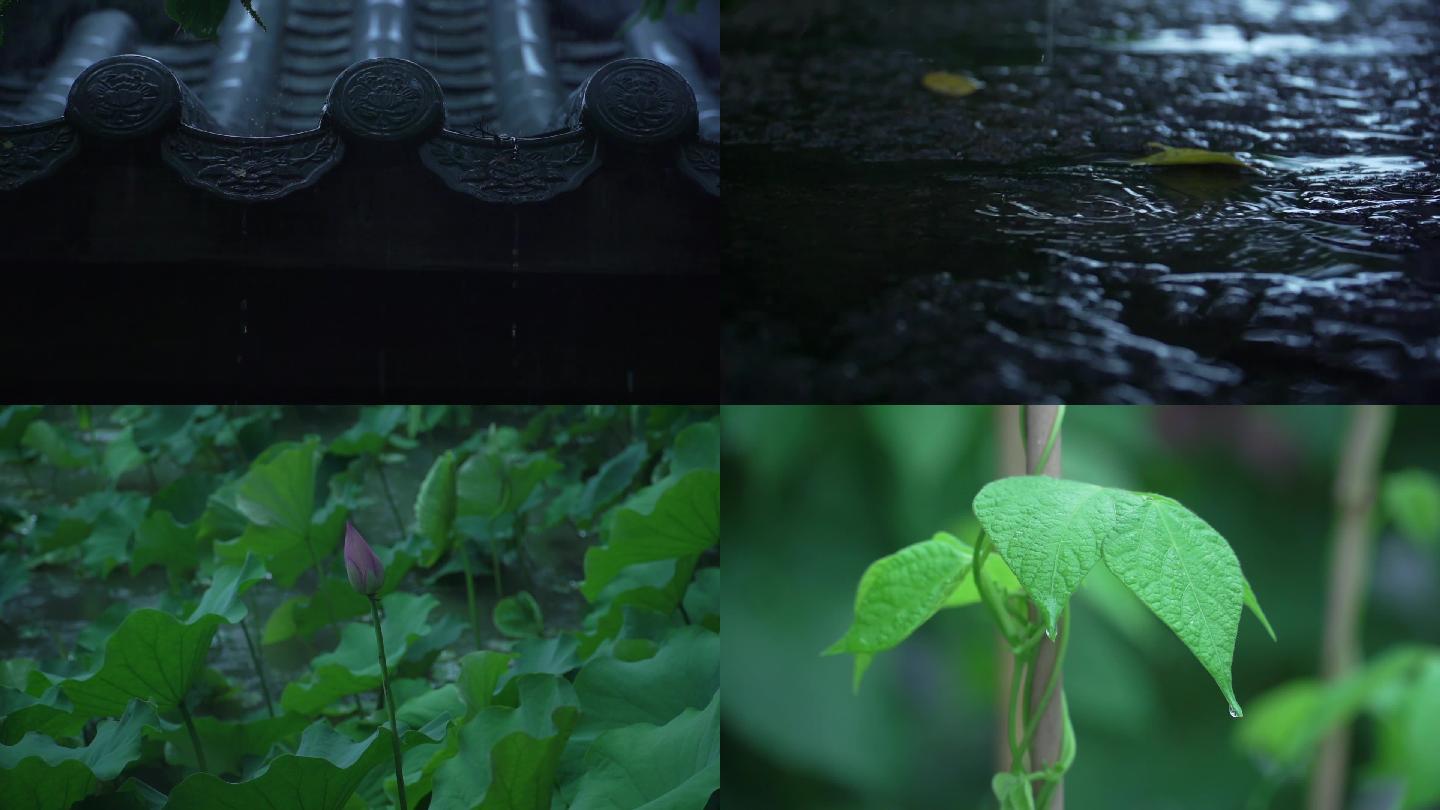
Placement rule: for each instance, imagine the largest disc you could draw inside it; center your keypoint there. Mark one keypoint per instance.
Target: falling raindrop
(1049, 34)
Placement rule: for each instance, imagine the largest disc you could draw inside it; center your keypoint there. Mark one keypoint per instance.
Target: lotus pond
(188, 618)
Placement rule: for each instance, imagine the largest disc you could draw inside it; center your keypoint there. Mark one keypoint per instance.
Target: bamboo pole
(1009, 460)
(1356, 482)
(1048, 734)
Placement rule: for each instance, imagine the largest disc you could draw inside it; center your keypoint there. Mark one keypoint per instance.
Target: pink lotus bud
(366, 571)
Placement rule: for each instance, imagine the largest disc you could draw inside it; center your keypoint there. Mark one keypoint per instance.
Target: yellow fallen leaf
(1177, 156)
(951, 84)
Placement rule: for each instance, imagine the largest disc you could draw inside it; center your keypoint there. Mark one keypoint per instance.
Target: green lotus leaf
(122, 454)
(519, 616)
(507, 757)
(480, 674)
(13, 576)
(697, 447)
(57, 446)
(490, 484)
(684, 673)
(655, 586)
(152, 656)
(228, 742)
(674, 766)
(156, 657)
(335, 600)
(278, 493)
(367, 436)
(322, 773)
(702, 598)
(222, 598)
(613, 477)
(33, 784)
(430, 704)
(160, 540)
(37, 773)
(435, 509)
(50, 714)
(685, 520)
(14, 421)
(354, 665)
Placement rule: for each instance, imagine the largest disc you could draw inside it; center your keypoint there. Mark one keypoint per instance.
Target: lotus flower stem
(194, 736)
(385, 485)
(470, 594)
(389, 702)
(495, 565)
(495, 541)
(259, 669)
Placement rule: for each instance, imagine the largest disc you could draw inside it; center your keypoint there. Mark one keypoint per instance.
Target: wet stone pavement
(884, 242)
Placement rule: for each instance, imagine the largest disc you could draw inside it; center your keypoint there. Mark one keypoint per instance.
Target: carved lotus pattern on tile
(123, 96)
(29, 154)
(499, 172)
(642, 100)
(384, 99)
(258, 169)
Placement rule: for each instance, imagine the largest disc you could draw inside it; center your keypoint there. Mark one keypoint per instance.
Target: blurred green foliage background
(812, 495)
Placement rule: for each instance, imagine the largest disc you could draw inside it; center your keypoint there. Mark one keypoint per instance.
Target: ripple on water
(1199, 218)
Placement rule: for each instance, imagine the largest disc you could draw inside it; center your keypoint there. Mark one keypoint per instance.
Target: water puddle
(1316, 11)
(1231, 40)
(1345, 167)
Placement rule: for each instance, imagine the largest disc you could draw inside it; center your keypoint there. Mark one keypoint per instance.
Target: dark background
(377, 283)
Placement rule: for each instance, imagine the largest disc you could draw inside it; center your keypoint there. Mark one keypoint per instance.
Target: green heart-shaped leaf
(899, 593)
(1049, 531)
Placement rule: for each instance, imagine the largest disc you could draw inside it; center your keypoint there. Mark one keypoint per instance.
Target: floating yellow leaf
(1176, 156)
(951, 84)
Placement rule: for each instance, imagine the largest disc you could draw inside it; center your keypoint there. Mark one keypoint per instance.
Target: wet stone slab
(885, 242)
